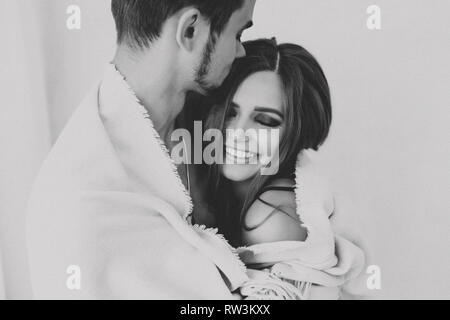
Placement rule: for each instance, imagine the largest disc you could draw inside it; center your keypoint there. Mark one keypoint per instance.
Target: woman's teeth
(240, 154)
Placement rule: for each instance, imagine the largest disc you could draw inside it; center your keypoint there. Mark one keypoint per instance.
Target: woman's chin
(239, 172)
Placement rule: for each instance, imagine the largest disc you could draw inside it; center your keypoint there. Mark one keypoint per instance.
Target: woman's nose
(239, 132)
(241, 136)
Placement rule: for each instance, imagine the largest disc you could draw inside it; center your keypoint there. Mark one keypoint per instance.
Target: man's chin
(206, 89)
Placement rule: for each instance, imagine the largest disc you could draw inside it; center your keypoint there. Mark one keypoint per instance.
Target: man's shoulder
(82, 149)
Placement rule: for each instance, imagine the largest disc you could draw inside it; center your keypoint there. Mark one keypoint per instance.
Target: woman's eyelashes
(268, 121)
(260, 118)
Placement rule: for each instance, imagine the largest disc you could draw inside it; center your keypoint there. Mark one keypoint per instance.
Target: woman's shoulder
(273, 216)
(278, 194)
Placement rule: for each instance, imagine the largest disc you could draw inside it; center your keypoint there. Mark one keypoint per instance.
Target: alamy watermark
(238, 147)
(73, 281)
(73, 21)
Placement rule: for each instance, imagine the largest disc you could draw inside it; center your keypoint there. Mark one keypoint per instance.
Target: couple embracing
(111, 201)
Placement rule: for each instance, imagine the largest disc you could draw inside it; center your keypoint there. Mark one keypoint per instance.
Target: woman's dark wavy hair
(307, 110)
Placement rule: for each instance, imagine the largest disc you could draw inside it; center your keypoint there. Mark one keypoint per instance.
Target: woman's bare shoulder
(273, 217)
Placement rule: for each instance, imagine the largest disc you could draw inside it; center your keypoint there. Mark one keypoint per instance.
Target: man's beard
(204, 68)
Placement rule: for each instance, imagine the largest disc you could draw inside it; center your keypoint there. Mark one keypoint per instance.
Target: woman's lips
(239, 154)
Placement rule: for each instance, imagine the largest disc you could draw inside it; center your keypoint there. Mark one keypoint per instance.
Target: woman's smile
(240, 156)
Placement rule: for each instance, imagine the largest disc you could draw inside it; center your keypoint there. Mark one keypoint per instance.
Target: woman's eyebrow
(265, 109)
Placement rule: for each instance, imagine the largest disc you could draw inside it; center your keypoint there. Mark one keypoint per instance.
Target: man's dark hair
(139, 22)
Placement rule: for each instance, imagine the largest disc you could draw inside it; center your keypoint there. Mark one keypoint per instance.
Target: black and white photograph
(243, 151)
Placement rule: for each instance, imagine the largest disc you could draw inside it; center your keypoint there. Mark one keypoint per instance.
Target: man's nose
(240, 51)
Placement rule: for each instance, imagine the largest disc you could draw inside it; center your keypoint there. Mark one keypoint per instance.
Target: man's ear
(190, 28)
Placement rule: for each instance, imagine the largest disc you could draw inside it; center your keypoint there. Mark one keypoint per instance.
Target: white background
(389, 147)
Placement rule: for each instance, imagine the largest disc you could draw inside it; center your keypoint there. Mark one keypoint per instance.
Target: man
(109, 216)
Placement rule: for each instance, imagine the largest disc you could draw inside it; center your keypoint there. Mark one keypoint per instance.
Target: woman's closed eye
(268, 121)
(261, 116)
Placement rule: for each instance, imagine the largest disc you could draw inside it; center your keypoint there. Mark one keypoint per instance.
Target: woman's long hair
(307, 110)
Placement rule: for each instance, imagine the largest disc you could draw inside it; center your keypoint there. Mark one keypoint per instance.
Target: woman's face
(256, 109)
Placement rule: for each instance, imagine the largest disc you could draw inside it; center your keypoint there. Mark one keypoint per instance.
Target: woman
(273, 87)
(281, 221)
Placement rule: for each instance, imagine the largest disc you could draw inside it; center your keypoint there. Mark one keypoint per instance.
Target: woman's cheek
(268, 146)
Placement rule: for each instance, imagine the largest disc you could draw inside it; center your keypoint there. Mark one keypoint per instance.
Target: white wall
(45, 70)
(389, 147)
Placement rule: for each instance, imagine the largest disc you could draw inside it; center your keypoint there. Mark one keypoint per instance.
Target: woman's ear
(190, 28)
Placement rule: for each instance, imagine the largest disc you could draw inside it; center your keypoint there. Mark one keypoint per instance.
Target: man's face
(220, 52)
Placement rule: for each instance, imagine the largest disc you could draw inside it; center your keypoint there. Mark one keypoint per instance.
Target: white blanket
(321, 267)
(108, 217)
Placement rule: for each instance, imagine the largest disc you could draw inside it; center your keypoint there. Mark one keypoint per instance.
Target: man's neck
(155, 82)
